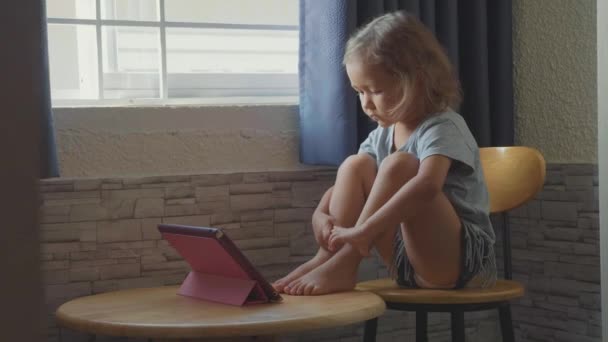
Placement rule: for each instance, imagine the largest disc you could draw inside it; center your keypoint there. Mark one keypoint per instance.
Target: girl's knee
(400, 163)
(362, 164)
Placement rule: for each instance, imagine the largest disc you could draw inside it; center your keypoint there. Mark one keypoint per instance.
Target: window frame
(227, 80)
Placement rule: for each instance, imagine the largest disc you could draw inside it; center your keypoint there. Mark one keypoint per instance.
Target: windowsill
(176, 139)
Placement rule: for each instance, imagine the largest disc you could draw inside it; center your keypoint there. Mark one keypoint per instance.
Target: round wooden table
(161, 313)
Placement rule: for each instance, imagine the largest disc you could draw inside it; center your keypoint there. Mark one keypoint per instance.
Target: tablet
(220, 271)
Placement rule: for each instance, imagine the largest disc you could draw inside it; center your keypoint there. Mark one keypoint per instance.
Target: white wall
(554, 53)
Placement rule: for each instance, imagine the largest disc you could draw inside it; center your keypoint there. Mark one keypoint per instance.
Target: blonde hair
(406, 49)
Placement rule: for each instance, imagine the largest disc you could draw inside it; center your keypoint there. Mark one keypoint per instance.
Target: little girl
(415, 191)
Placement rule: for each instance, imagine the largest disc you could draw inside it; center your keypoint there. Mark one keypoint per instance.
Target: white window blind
(120, 52)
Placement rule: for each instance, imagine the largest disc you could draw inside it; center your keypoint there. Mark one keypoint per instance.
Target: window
(118, 52)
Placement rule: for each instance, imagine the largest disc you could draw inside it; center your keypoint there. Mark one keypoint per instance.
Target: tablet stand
(227, 290)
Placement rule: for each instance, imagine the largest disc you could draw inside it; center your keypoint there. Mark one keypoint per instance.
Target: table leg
(371, 327)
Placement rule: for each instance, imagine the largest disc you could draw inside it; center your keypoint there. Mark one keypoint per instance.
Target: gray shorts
(478, 260)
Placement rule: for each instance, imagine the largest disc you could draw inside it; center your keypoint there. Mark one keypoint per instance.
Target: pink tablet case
(215, 275)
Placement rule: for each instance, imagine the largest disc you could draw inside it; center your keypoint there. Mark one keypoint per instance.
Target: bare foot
(337, 274)
(355, 236)
(321, 257)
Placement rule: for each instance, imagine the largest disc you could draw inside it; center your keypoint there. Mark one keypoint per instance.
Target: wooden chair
(514, 175)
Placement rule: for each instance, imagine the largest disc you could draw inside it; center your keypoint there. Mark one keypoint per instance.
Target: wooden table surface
(161, 313)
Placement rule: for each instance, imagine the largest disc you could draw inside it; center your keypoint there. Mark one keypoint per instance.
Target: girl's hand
(354, 236)
(322, 225)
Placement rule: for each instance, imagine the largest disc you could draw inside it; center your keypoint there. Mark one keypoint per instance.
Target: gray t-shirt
(445, 134)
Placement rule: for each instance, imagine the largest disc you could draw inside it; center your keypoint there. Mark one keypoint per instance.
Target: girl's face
(378, 91)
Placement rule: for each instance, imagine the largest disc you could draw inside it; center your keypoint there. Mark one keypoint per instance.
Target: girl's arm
(412, 196)
(405, 203)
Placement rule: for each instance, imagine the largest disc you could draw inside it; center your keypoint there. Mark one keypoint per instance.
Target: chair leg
(457, 326)
(506, 324)
(421, 326)
(371, 327)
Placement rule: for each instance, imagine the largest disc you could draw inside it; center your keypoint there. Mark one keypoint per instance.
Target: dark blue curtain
(475, 33)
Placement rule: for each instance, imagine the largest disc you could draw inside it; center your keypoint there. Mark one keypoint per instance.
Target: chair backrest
(514, 175)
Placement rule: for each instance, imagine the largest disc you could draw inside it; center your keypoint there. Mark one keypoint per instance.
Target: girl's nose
(366, 102)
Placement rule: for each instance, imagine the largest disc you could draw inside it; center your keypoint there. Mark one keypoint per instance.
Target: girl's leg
(433, 236)
(396, 170)
(339, 272)
(353, 183)
(433, 242)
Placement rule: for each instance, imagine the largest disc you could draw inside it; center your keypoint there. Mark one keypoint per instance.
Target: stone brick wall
(556, 254)
(100, 235)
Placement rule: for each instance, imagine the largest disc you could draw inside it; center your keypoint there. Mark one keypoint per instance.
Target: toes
(297, 290)
(291, 287)
(287, 290)
(279, 283)
(308, 289)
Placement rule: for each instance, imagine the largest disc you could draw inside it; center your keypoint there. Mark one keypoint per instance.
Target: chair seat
(389, 291)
